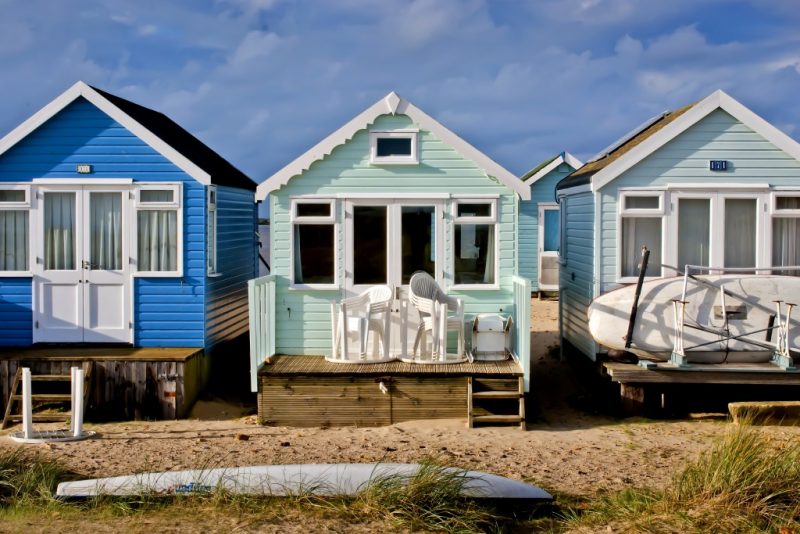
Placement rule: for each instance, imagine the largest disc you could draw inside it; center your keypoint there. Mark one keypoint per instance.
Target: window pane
(787, 203)
(313, 254)
(158, 240)
(740, 232)
(418, 242)
(156, 195)
(636, 233)
(106, 231)
(369, 245)
(641, 203)
(551, 230)
(313, 210)
(13, 240)
(786, 244)
(393, 146)
(59, 231)
(474, 254)
(475, 210)
(694, 226)
(9, 195)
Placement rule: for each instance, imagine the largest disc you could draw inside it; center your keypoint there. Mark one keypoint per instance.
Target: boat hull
(749, 305)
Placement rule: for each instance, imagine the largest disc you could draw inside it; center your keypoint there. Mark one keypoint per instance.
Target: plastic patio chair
(368, 312)
(439, 313)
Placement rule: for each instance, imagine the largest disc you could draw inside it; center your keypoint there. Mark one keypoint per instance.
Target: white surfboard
(748, 306)
(285, 480)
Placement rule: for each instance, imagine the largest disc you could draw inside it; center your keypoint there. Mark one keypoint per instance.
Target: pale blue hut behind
(676, 184)
(539, 222)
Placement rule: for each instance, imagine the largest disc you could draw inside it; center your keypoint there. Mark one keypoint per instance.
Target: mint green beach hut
(390, 193)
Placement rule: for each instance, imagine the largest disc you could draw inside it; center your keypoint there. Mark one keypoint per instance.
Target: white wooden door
(82, 276)
(386, 241)
(549, 240)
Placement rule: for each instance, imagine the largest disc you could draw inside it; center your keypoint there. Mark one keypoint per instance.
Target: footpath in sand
(564, 450)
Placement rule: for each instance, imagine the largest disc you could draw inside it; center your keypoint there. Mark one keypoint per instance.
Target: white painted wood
(548, 259)
(654, 326)
(27, 404)
(82, 181)
(392, 104)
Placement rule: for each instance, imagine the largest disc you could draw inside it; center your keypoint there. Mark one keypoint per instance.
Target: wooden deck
(318, 366)
(126, 382)
(310, 391)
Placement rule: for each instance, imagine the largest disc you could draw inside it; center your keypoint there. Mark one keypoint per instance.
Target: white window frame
(490, 219)
(775, 213)
(176, 205)
(25, 205)
(640, 213)
(329, 219)
(411, 159)
(212, 241)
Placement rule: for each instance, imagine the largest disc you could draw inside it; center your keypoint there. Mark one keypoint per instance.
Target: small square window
(313, 210)
(12, 195)
(642, 203)
(394, 147)
(478, 209)
(150, 196)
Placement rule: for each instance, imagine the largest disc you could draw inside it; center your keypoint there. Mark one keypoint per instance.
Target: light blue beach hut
(390, 193)
(539, 222)
(710, 183)
(124, 241)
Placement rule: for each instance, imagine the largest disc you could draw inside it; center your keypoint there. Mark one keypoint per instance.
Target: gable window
(211, 230)
(786, 232)
(393, 147)
(158, 229)
(641, 224)
(14, 229)
(474, 242)
(313, 243)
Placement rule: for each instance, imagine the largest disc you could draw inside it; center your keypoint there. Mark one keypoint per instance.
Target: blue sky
(261, 81)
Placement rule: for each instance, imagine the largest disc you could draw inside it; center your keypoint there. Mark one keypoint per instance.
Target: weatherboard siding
(168, 312)
(577, 270)
(541, 191)
(226, 292)
(303, 316)
(685, 160)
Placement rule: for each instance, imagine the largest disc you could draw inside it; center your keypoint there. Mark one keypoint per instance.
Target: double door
(387, 241)
(81, 272)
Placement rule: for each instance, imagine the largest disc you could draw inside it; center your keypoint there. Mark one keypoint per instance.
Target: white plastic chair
(368, 312)
(438, 315)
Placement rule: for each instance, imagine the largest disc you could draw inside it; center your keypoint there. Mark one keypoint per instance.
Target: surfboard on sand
(710, 332)
(286, 480)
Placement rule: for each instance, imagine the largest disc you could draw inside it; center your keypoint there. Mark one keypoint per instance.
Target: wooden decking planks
(117, 354)
(737, 374)
(285, 365)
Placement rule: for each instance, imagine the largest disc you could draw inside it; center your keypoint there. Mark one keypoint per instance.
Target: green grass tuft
(27, 479)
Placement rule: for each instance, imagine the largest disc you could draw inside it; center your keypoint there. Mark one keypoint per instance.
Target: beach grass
(744, 482)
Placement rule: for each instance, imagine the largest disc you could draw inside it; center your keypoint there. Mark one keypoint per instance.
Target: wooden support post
(27, 404)
(632, 399)
(522, 403)
(469, 402)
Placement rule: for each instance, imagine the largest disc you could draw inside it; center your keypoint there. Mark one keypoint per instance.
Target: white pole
(72, 398)
(27, 404)
(77, 402)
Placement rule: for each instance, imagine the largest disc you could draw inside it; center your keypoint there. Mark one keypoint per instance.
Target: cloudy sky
(261, 81)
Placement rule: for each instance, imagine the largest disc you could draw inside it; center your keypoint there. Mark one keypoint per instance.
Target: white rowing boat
(286, 480)
(731, 318)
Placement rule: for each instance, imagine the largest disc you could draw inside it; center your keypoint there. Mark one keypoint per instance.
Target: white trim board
(392, 104)
(716, 100)
(564, 157)
(81, 89)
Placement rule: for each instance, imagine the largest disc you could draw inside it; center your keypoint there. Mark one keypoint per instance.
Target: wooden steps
(491, 401)
(64, 381)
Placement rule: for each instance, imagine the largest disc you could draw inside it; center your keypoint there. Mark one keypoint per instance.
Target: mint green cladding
(543, 190)
(303, 315)
(682, 161)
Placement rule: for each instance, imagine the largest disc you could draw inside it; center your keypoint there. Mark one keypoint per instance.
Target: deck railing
(261, 302)
(522, 326)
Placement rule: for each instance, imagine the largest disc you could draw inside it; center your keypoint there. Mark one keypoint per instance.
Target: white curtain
(488, 274)
(786, 243)
(694, 226)
(636, 233)
(59, 231)
(106, 231)
(158, 240)
(13, 240)
(740, 232)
